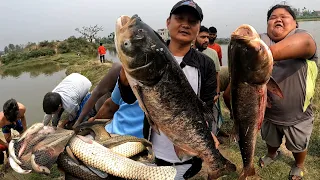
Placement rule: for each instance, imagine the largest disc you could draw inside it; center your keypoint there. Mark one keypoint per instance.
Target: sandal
(266, 160)
(296, 173)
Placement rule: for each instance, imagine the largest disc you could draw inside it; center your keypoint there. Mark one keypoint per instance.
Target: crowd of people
(193, 46)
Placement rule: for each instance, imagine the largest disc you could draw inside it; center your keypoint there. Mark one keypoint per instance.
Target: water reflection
(47, 68)
(29, 89)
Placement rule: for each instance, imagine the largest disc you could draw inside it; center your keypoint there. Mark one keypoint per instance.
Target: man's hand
(215, 99)
(91, 119)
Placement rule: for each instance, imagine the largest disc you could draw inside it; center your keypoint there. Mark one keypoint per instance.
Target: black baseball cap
(188, 3)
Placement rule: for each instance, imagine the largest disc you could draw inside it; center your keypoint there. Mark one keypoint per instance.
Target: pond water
(29, 89)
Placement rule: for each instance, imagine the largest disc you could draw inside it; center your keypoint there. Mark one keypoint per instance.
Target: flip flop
(296, 173)
(266, 160)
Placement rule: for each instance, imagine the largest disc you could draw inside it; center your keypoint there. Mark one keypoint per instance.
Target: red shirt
(217, 48)
(102, 50)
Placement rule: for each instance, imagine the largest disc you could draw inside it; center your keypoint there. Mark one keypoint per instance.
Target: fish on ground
(97, 156)
(250, 68)
(165, 95)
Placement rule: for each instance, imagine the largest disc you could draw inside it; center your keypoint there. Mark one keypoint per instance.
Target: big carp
(165, 95)
(250, 68)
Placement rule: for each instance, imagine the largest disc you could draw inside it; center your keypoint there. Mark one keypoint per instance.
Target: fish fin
(71, 155)
(228, 168)
(182, 153)
(208, 117)
(85, 139)
(247, 172)
(12, 151)
(274, 88)
(99, 173)
(143, 107)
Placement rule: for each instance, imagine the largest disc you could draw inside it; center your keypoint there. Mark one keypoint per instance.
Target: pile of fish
(89, 152)
(250, 68)
(38, 148)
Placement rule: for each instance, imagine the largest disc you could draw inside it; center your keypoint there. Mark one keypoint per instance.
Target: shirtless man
(12, 117)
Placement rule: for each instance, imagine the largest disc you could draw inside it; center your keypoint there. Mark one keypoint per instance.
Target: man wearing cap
(183, 24)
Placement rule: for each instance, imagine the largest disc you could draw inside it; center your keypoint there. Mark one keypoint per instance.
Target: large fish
(250, 68)
(97, 156)
(165, 95)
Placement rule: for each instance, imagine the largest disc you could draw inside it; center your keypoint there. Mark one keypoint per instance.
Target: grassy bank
(308, 19)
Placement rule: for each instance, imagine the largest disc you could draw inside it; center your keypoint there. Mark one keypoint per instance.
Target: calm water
(28, 86)
(29, 89)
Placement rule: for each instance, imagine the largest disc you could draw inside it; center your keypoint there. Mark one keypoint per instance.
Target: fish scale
(78, 170)
(129, 149)
(102, 158)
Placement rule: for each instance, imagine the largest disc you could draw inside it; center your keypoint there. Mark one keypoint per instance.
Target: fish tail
(247, 171)
(228, 168)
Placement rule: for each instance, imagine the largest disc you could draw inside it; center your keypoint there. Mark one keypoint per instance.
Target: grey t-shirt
(296, 78)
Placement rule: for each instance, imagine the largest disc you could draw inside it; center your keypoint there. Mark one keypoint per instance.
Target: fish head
(31, 131)
(141, 50)
(250, 55)
(46, 152)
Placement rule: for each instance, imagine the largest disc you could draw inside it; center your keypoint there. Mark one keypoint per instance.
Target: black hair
(100, 44)
(51, 102)
(212, 29)
(203, 29)
(11, 110)
(286, 7)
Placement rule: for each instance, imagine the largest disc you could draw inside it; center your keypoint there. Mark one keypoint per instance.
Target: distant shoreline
(308, 19)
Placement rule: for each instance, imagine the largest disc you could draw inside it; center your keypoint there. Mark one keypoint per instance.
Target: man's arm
(106, 111)
(4, 143)
(22, 112)
(107, 84)
(125, 89)
(7, 136)
(218, 88)
(46, 119)
(220, 56)
(299, 45)
(226, 97)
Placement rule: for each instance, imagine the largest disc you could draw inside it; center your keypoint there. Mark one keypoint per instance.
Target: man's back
(217, 48)
(102, 50)
(128, 119)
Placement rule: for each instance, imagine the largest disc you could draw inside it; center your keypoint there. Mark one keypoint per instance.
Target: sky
(36, 20)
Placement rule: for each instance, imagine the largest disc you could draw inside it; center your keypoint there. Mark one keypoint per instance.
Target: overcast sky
(23, 21)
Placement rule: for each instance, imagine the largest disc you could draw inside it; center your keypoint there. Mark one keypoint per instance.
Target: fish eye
(127, 43)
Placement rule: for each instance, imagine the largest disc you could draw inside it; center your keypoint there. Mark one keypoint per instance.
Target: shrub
(63, 47)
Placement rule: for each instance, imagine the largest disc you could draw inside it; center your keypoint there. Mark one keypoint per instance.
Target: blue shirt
(128, 119)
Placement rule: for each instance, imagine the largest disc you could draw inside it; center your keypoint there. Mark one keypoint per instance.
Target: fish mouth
(122, 21)
(244, 32)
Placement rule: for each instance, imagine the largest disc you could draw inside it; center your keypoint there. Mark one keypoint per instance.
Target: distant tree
(89, 32)
(11, 47)
(19, 47)
(6, 50)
